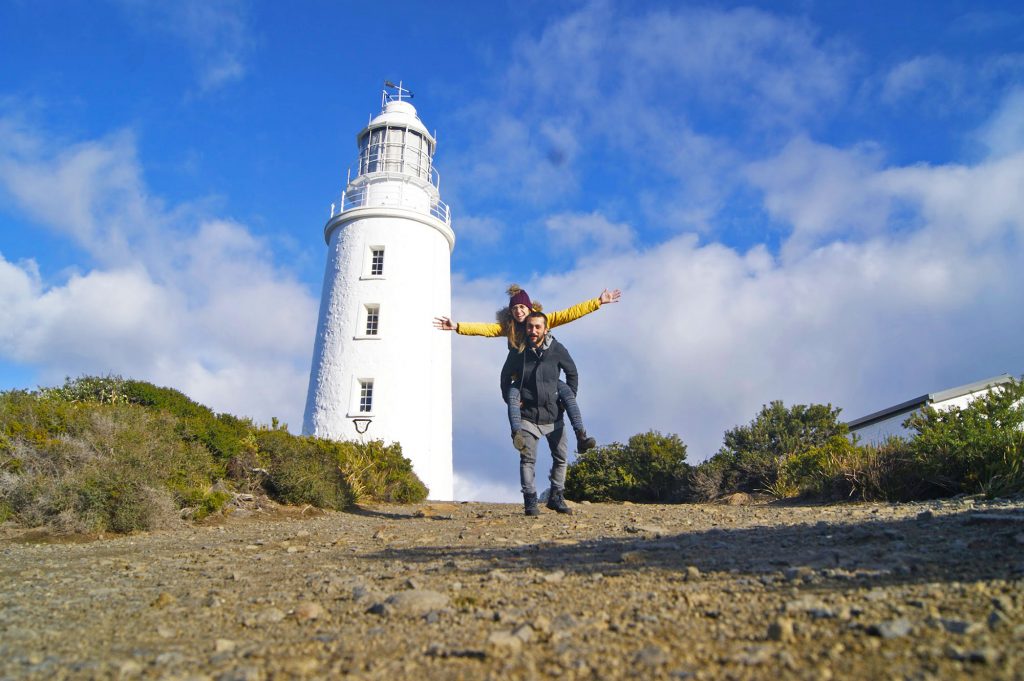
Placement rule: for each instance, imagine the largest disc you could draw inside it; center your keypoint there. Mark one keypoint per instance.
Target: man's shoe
(584, 441)
(530, 504)
(556, 502)
(519, 441)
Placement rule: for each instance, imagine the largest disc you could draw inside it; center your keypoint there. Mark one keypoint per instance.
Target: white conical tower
(380, 369)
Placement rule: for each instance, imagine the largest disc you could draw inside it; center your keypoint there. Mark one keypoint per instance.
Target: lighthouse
(380, 370)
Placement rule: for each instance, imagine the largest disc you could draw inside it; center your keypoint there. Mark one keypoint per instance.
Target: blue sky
(807, 201)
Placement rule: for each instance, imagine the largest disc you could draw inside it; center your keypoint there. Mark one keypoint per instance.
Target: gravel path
(477, 591)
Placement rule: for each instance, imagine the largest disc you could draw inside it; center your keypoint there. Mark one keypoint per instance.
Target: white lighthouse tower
(380, 369)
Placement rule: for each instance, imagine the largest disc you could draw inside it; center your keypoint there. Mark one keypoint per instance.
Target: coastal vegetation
(105, 454)
(805, 451)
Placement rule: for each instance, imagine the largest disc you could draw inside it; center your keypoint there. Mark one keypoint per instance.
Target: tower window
(377, 261)
(366, 396)
(372, 319)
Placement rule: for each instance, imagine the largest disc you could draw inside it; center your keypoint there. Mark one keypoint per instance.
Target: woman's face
(519, 312)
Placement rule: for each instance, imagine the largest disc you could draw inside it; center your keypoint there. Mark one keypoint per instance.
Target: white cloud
(1003, 133)
(592, 233)
(197, 304)
(217, 34)
(934, 78)
(909, 301)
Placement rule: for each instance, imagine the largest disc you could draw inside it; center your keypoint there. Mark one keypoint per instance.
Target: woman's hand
(610, 296)
(445, 324)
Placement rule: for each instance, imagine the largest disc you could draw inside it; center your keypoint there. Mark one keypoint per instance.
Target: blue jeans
(565, 396)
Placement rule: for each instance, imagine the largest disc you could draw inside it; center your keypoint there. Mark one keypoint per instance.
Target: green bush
(979, 448)
(114, 455)
(335, 475)
(651, 467)
(752, 456)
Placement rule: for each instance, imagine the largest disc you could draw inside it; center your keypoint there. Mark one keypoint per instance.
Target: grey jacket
(536, 372)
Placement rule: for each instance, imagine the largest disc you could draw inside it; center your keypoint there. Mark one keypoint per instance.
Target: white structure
(380, 369)
(877, 427)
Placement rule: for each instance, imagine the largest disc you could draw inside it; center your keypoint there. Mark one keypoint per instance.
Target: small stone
(653, 530)
(302, 667)
(889, 629)
(554, 577)
(224, 645)
(524, 632)
(692, 573)
(962, 627)
(415, 602)
(997, 620)
(164, 631)
(781, 630)
(163, 600)
(542, 624)
(504, 641)
(302, 534)
(986, 655)
(308, 611)
(651, 656)
(128, 668)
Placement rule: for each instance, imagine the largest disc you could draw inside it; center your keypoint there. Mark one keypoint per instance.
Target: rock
(163, 600)
(554, 577)
(268, 616)
(962, 627)
(224, 645)
(308, 611)
(503, 642)
(524, 632)
(651, 656)
(890, 629)
(781, 630)
(653, 530)
(415, 602)
(692, 573)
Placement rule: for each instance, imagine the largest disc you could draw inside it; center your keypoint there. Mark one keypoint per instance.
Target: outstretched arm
(571, 314)
(445, 324)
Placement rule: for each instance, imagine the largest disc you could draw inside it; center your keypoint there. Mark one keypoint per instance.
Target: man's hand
(445, 324)
(610, 296)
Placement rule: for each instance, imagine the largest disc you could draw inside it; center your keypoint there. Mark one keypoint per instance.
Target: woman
(511, 324)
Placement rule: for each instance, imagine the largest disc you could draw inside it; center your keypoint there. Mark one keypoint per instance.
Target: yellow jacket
(557, 318)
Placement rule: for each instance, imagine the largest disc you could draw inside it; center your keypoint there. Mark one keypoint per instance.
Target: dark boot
(556, 502)
(530, 503)
(584, 441)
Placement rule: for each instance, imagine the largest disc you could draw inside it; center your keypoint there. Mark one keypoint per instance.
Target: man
(536, 370)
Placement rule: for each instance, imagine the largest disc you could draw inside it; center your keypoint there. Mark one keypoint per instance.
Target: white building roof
(926, 399)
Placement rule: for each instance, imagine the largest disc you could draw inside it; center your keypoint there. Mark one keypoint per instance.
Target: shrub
(752, 456)
(336, 474)
(650, 467)
(979, 448)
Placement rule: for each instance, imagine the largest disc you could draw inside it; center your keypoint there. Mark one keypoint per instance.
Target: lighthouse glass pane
(366, 396)
(416, 154)
(393, 150)
(376, 262)
(375, 151)
(372, 319)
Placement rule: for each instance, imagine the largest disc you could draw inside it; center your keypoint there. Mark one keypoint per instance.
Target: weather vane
(399, 93)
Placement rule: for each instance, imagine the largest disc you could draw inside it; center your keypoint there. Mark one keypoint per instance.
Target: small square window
(377, 262)
(372, 319)
(366, 396)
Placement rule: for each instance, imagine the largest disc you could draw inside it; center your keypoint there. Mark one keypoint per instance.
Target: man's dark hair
(540, 315)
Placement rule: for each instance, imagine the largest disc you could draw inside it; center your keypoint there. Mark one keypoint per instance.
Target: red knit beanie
(520, 297)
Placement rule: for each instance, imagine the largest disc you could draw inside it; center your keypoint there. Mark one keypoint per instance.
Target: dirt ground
(478, 591)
